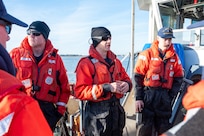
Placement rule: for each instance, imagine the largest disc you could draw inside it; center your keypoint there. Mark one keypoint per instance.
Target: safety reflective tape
(61, 104)
(25, 59)
(5, 123)
(93, 92)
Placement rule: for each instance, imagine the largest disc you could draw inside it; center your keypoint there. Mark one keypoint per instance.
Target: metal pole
(132, 38)
(81, 107)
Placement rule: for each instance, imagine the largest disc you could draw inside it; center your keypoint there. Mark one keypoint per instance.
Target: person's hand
(115, 87)
(119, 87)
(124, 87)
(139, 105)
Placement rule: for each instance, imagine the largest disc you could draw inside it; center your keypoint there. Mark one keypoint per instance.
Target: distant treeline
(79, 55)
(70, 55)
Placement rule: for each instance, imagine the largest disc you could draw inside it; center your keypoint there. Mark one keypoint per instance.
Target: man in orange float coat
(102, 81)
(40, 68)
(158, 75)
(20, 115)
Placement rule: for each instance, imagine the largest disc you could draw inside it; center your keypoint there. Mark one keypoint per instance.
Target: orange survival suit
(158, 78)
(103, 113)
(20, 114)
(94, 72)
(153, 71)
(47, 80)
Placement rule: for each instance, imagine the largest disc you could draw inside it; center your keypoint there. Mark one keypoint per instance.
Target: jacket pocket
(25, 69)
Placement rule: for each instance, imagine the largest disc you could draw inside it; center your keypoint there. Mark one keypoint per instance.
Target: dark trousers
(50, 112)
(156, 113)
(104, 119)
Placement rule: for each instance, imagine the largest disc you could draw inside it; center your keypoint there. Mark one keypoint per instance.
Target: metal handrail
(127, 55)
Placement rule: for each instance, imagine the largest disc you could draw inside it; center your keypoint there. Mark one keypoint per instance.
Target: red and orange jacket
(194, 96)
(93, 72)
(153, 71)
(48, 78)
(20, 114)
(193, 102)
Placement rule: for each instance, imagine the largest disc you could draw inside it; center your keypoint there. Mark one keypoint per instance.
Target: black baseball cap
(166, 32)
(9, 18)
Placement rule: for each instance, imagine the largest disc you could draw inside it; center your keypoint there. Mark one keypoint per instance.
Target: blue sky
(71, 21)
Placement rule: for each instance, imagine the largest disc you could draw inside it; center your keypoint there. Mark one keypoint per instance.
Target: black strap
(36, 88)
(93, 74)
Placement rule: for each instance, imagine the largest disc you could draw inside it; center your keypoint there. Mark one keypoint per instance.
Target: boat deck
(129, 106)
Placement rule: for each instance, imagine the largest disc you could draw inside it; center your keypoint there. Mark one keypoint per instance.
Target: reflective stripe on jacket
(20, 114)
(47, 79)
(91, 75)
(158, 72)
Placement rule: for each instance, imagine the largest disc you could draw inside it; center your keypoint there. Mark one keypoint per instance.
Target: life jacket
(93, 71)
(41, 80)
(159, 72)
(16, 117)
(100, 71)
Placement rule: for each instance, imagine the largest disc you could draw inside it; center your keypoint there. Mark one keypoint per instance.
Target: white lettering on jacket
(154, 58)
(51, 61)
(25, 59)
(172, 60)
(155, 77)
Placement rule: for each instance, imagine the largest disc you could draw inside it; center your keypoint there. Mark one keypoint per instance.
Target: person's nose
(8, 38)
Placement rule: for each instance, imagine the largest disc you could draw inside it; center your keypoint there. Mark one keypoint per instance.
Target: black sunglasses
(104, 38)
(34, 33)
(7, 26)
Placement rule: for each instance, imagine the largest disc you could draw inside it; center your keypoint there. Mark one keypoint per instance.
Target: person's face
(164, 44)
(105, 44)
(5, 29)
(35, 38)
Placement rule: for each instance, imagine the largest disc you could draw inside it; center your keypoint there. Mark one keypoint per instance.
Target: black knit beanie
(97, 33)
(40, 27)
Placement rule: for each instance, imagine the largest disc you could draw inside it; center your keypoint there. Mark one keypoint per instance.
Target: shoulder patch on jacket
(142, 57)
